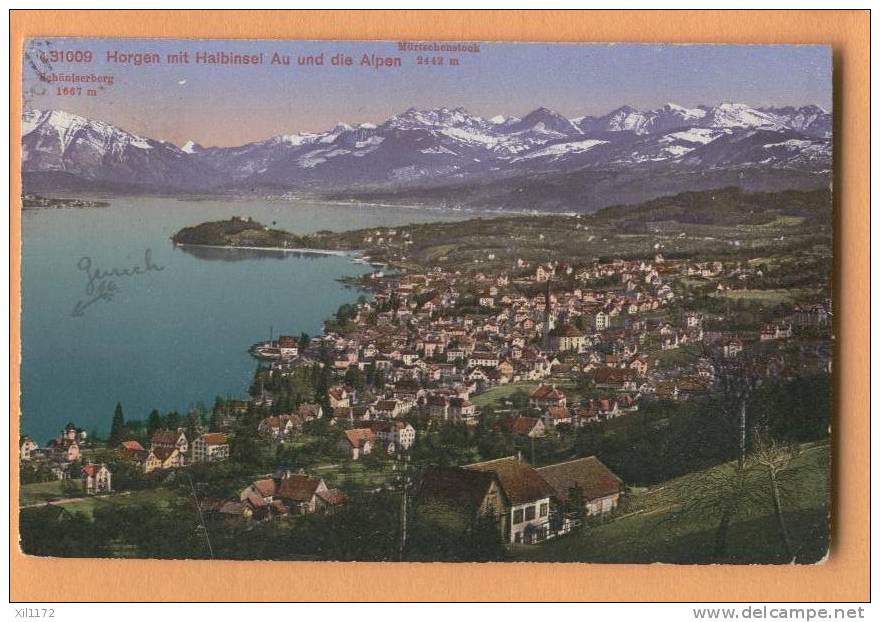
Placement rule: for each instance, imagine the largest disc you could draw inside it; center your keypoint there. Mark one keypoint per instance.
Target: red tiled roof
(524, 425)
(286, 341)
(332, 496)
(547, 392)
(558, 412)
(358, 436)
(132, 446)
(214, 438)
(299, 488)
(266, 487)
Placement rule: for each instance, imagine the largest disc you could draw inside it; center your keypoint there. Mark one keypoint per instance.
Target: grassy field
(647, 531)
(766, 296)
(684, 355)
(501, 392)
(356, 476)
(32, 494)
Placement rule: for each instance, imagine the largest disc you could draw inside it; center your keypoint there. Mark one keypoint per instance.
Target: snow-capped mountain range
(429, 147)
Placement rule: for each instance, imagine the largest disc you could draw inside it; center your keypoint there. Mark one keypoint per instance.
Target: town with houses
(520, 362)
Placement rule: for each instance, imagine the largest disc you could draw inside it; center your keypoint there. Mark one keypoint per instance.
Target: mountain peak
(545, 120)
(420, 145)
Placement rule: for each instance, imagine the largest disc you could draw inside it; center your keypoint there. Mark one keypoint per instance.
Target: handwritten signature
(101, 284)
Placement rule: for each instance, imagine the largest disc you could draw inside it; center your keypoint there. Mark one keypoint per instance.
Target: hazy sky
(232, 105)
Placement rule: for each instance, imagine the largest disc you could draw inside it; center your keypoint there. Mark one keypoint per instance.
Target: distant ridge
(417, 150)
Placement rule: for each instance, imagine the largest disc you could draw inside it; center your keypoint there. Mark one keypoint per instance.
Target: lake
(170, 338)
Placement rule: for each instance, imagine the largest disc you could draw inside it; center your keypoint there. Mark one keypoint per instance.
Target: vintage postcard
(426, 301)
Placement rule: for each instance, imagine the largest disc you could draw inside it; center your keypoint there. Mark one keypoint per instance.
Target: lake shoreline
(314, 251)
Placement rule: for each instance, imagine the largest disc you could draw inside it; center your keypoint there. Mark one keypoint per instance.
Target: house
(545, 396)
(210, 447)
(356, 443)
(472, 492)
(566, 338)
(63, 449)
(288, 346)
(599, 488)
(483, 359)
(167, 439)
(309, 412)
(815, 315)
(73, 433)
(505, 368)
(615, 378)
(96, 479)
(640, 365)
(531, 427)
(398, 433)
(162, 458)
(731, 348)
(132, 451)
(339, 397)
(544, 272)
(327, 501)
(556, 415)
(528, 498)
(286, 494)
(299, 493)
(258, 502)
(601, 320)
(391, 408)
(462, 410)
(283, 426)
(693, 319)
(775, 331)
(28, 446)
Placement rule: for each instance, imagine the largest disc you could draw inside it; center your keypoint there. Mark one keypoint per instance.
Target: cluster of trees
(303, 385)
(368, 528)
(143, 430)
(662, 440)
(344, 315)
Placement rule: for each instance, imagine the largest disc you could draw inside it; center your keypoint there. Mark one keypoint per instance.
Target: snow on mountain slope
(420, 145)
(560, 149)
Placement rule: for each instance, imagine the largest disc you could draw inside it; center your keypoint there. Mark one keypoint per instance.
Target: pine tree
(117, 427)
(154, 422)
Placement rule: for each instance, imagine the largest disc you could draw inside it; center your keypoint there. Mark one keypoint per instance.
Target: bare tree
(774, 458)
(717, 495)
(720, 493)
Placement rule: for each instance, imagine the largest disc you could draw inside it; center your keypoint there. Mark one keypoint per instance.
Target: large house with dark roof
(566, 338)
(170, 439)
(528, 499)
(598, 486)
